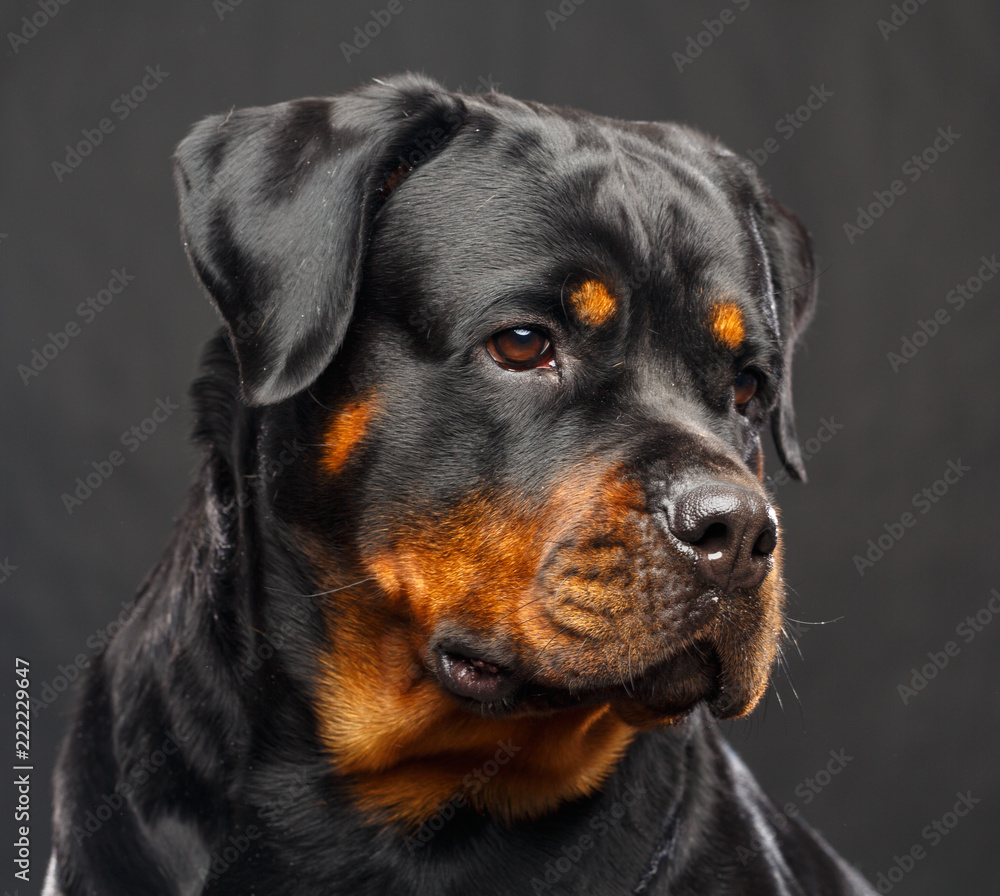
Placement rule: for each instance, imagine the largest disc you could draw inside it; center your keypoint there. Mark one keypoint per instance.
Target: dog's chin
(662, 693)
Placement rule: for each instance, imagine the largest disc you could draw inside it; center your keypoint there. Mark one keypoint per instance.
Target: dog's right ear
(276, 204)
(793, 271)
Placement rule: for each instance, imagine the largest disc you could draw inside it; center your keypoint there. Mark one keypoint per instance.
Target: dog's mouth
(473, 677)
(670, 688)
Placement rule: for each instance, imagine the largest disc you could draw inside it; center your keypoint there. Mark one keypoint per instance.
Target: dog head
(531, 353)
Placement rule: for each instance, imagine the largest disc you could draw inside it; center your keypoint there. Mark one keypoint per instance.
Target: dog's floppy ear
(793, 277)
(276, 205)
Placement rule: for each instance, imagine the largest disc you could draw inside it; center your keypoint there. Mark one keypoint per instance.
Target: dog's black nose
(732, 529)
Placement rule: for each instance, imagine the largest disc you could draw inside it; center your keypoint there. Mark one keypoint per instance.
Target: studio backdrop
(875, 121)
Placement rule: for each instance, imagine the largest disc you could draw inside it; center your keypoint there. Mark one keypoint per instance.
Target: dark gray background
(62, 240)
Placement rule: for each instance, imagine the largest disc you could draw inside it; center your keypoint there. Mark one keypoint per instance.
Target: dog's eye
(744, 388)
(521, 348)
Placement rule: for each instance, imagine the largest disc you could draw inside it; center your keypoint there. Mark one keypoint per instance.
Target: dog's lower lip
(671, 687)
(473, 677)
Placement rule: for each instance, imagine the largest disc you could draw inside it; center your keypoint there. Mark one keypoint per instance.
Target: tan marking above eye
(593, 303)
(344, 433)
(727, 324)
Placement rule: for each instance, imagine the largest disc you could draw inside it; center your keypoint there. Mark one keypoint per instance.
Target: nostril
(765, 544)
(714, 539)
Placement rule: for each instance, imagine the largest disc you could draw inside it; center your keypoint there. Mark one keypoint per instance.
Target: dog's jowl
(479, 547)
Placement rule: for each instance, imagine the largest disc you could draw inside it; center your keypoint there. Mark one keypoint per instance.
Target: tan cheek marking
(726, 322)
(344, 434)
(593, 303)
(407, 748)
(404, 744)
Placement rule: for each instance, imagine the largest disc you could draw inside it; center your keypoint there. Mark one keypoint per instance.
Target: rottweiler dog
(479, 547)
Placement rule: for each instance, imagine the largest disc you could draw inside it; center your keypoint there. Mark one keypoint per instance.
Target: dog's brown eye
(744, 388)
(520, 348)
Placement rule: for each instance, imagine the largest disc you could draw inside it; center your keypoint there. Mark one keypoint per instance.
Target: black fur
(343, 243)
